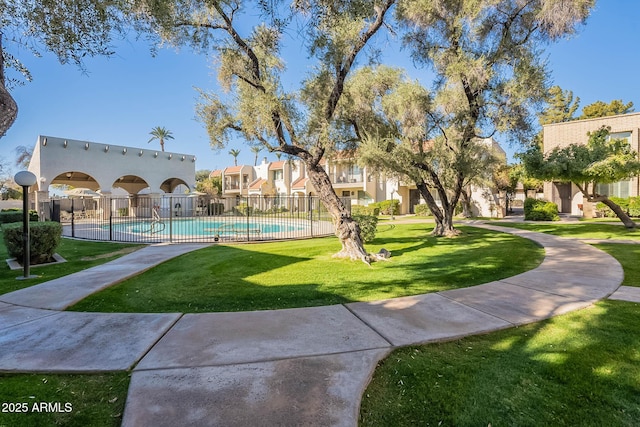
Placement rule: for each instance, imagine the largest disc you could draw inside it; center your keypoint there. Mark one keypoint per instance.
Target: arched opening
(75, 179)
(130, 183)
(171, 184)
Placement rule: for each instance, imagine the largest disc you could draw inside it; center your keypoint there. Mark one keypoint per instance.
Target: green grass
(85, 400)
(582, 230)
(80, 255)
(303, 273)
(628, 256)
(582, 368)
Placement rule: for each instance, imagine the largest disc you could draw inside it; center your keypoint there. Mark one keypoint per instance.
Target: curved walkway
(304, 366)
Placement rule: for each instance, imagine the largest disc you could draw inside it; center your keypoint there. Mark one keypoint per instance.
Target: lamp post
(25, 179)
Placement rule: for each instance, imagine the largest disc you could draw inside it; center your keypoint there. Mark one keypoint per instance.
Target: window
(617, 189)
(277, 175)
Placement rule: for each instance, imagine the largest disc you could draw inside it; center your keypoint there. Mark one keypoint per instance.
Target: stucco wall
(107, 163)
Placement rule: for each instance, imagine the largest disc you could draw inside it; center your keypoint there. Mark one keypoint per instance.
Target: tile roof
(299, 183)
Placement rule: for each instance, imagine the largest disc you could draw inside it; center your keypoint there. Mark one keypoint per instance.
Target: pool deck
(303, 366)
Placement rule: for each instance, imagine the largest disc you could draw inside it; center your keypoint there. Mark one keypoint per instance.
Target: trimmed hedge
(365, 210)
(8, 216)
(368, 225)
(422, 210)
(44, 240)
(540, 210)
(386, 206)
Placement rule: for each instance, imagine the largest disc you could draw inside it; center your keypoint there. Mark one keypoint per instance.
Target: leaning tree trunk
(346, 228)
(8, 107)
(620, 213)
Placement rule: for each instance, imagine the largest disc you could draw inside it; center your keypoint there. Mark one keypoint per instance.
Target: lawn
(628, 256)
(303, 273)
(581, 230)
(582, 368)
(79, 400)
(80, 255)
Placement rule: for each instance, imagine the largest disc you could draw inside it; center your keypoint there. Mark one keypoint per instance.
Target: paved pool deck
(302, 366)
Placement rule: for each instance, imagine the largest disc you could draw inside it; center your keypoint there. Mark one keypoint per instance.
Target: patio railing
(171, 218)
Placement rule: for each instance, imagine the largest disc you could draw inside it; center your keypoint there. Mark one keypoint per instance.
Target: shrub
(368, 225)
(540, 210)
(631, 205)
(634, 206)
(365, 210)
(386, 206)
(422, 210)
(15, 215)
(44, 239)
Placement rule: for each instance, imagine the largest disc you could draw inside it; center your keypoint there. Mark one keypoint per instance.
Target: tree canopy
(602, 109)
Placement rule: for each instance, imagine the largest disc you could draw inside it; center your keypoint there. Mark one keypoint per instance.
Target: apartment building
(357, 183)
(566, 195)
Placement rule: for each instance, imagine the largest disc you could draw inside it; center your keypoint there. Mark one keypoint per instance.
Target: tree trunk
(346, 228)
(466, 204)
(443, 217)
(8, 106)
(628, 222)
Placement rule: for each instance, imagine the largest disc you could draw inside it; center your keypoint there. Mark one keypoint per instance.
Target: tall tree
(561, 106)
(256, 149)
(489, 75)
(297, 123)
(235, 153)
(161, 134)
(602, 109)
(601, 161)
(71, 29)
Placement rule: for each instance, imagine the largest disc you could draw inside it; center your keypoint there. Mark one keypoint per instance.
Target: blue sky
(121, 98)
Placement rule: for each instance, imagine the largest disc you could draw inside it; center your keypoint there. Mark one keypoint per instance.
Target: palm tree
(160, 133)
(255, 150)
(235, 153)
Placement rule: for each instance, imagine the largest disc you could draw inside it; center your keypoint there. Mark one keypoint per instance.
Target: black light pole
(25, 179)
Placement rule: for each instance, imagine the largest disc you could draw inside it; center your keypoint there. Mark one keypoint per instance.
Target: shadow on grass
(577, 369)
(268, 276)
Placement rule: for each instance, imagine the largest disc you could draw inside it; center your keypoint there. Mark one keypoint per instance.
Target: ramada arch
(101, 167)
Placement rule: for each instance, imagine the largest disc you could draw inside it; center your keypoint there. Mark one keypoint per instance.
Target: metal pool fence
(195, 218)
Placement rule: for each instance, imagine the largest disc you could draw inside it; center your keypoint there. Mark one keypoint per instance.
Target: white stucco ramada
(102, 167)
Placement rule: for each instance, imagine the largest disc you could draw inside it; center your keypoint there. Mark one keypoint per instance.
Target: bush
(365, 210)
(44, 240)
(540, 210)
(8, 216)
(386, 206)
(368, 225)
(422, 210)
(631, 205)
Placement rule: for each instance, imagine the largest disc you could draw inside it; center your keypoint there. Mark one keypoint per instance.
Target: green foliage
(15, 215)
(387, 207)
(631, 205)
(602, 109)
(561, 106)
(44, 239)
(540, 210)
(123, 211)
(365, 210)
(368, 225)
(422, 209)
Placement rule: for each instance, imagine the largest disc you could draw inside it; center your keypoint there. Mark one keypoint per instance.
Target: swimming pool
(207, 227)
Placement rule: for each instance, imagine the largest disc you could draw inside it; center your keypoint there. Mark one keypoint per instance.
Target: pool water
(200, 227)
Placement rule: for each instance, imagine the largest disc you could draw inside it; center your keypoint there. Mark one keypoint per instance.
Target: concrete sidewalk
(304, 366)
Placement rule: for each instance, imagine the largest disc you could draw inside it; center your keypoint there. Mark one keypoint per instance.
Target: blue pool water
(201, 227)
